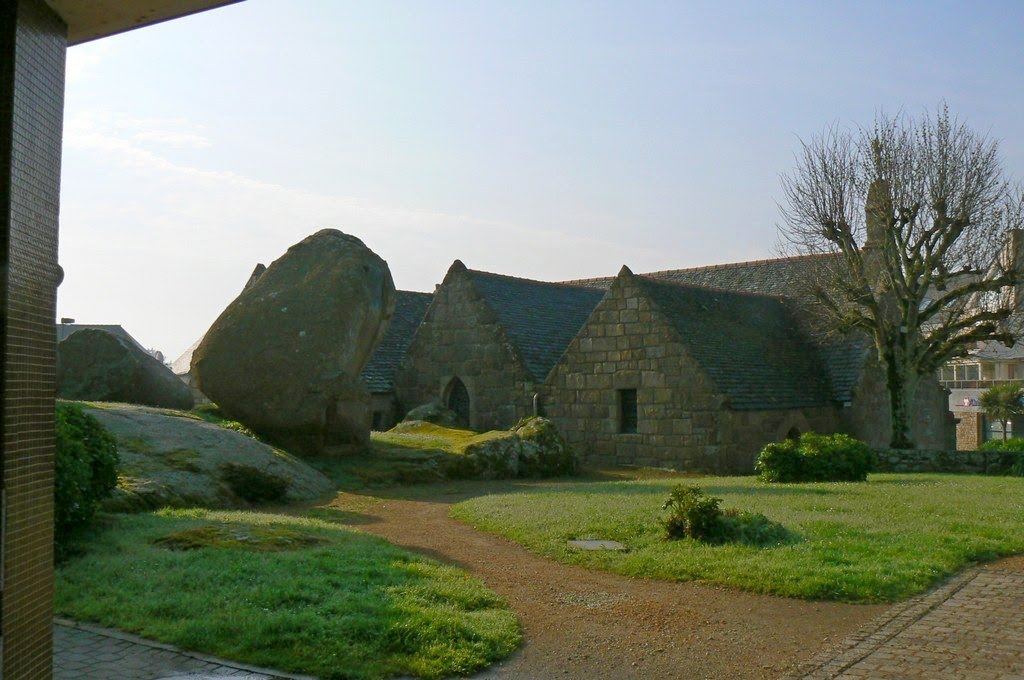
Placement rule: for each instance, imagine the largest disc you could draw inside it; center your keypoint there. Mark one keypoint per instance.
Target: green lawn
(412, 453)
(297, 594)
(877, 541)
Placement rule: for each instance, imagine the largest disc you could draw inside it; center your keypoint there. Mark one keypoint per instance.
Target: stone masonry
(683, 419)
(462, 337)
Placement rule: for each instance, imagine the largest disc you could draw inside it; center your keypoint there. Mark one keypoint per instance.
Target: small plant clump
(696, 515)
(211, 413)
(85, 469)
(252, 484)
(815, 458)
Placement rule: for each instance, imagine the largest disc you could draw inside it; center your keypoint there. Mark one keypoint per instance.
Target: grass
(211, 413)
(877, 541)
(412, 453)
(299, 594)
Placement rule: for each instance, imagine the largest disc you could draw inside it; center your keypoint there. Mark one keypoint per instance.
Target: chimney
(1014, 260)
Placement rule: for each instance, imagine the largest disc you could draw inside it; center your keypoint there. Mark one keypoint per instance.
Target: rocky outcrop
(544, 452)
(533, 448)
(169, 458)
(285, 357)
(94, 365)
(435, 413)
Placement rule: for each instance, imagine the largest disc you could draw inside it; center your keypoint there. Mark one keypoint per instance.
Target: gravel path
(583, 623)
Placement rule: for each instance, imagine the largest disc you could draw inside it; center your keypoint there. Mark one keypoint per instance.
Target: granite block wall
(461, 337)
(683, 422)
(867, 418)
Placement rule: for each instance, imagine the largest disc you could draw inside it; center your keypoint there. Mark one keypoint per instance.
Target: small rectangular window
(627, 411)
(971, 372)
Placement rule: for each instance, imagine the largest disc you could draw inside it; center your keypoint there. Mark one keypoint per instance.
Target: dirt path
(581, 623)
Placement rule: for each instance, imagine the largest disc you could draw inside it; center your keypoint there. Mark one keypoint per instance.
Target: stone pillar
(32, 50)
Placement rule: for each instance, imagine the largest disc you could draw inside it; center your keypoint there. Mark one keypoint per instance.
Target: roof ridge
(717, 289)
(731, 265)
(709, 267)
(556, 284)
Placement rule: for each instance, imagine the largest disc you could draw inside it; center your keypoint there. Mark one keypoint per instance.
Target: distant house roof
(750, 345)
(183, 364)
(997, 351)
(64, 330)
(843, 355)
(540, 319)
(410, 308)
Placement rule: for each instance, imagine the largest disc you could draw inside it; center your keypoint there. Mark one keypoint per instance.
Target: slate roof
(997, 351)
(842, 355)
(410, 308)
(540, 319)
(750, 345)
(781, 276)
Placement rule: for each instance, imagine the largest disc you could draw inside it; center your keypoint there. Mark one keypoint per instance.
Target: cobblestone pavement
(84, 652)
(970, 628)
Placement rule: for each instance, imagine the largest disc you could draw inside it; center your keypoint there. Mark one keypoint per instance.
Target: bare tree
(911, 219)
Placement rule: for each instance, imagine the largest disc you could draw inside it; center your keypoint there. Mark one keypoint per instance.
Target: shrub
(693, 514)
(1012, 444)
(781, 462)
(815, 458)
(1011, 459)
(85, 469)
(252, 484)
(696, 515)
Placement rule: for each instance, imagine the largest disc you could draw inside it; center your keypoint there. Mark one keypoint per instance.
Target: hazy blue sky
(552, 140)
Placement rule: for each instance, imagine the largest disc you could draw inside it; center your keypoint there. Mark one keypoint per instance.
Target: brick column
(32, 50)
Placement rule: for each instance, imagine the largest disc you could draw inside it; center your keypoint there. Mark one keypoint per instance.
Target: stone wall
(747, 432)
(461, 337)
(384, 411)
(867, 417)
(923, 460)
(681, 422)
(969, 435)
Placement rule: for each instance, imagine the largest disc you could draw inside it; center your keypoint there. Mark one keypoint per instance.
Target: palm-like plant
(1003, 402)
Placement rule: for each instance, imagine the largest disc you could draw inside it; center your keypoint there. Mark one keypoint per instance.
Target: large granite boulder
(169, 458)
(94, 365)
(285, 357)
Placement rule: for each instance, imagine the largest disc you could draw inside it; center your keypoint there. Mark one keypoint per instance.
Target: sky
(552, 140)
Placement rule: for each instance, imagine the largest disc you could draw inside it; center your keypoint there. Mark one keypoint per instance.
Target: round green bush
(85, 469)
(815, 458)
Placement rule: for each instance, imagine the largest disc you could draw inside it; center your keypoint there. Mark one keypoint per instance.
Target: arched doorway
(457, 400)
(794, 433)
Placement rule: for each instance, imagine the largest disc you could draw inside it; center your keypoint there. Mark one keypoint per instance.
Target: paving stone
(84, 652)
(970, 628)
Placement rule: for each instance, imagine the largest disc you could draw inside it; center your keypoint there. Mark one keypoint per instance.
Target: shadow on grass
(355, 606)
(769, 490)
(902, 482)
(343, 517)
